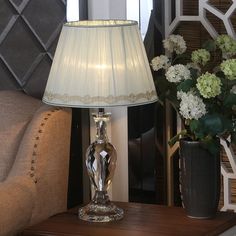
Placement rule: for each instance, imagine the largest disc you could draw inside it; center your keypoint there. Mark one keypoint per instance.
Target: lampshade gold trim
(100, 23)
(109, 100)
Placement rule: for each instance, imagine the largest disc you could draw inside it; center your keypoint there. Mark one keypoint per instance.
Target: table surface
(139, 220)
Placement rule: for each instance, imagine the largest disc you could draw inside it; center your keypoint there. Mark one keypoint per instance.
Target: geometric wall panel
(29, 30)
(7, 80)
(19, 50)
(38, 76)
(44, 20)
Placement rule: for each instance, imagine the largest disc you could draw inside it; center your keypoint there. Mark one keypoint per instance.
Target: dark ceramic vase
(200, 180)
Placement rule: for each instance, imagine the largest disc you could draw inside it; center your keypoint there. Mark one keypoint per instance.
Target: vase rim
(189, 141)
(192, 141)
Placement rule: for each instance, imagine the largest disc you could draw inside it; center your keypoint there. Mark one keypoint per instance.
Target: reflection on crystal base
(100, 213)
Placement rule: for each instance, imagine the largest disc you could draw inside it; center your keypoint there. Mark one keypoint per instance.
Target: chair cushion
(16, 110)
(17, 197)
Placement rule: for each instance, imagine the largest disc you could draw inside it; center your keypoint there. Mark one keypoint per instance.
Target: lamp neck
(101, 119)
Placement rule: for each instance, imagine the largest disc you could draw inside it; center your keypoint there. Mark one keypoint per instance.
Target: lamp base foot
(94, 212)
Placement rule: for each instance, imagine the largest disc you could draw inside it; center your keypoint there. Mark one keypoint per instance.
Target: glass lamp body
(101, 163)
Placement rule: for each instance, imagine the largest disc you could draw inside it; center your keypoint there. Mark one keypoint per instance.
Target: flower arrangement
(204, 97)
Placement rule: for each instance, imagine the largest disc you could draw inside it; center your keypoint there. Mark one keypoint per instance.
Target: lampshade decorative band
(121, 100)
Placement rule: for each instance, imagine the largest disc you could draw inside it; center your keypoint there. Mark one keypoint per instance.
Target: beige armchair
(34, 160)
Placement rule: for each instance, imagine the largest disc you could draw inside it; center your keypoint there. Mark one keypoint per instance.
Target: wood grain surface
(139, 220)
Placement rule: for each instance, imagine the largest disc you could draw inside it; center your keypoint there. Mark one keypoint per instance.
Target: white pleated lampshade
(100, 63)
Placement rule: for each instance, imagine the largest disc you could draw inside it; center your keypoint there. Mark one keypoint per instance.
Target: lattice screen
(223, 10)
(29, 31)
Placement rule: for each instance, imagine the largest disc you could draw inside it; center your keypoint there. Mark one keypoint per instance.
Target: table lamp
(100, 64)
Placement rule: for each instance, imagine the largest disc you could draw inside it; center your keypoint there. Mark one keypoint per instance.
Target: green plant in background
(204, 97)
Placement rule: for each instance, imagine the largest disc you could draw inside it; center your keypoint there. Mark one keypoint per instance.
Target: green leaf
(230, 100)
(220, 74)
(186, 85)
(180, 58)
(216, 124)
(209, 45)
(194, 73)
(196, 127)
(212, 146)
(213, 124)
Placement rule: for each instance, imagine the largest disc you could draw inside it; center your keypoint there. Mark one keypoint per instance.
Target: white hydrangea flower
(180, 94)
(160, 62)
(191, 106)
(175, 43)
(177, 73)
(233, 89)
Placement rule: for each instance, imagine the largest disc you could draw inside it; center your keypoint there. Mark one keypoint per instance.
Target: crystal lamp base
(101, 162)
(100, 209)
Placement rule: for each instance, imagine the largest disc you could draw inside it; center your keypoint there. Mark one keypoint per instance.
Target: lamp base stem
(100, 209)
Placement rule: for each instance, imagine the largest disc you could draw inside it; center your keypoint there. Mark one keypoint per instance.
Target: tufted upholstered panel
(16, 112)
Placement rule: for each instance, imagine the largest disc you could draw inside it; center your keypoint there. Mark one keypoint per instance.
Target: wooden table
(139, 220)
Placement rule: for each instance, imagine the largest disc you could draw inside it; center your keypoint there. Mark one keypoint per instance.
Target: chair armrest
(44, 156)
(16, 203)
